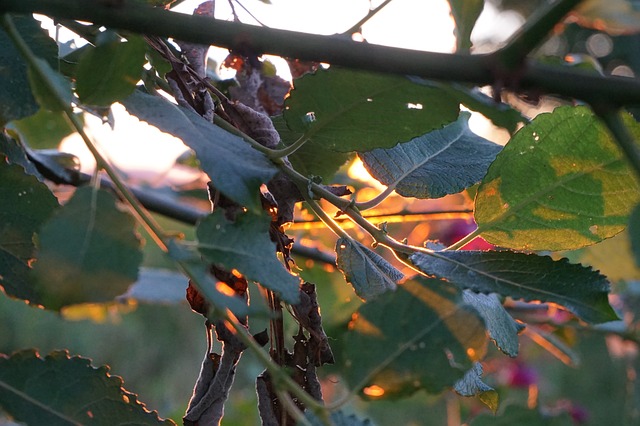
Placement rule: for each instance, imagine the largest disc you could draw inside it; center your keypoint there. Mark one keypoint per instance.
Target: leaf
(348, 110)
(560, 183)
(523, 276)
(16, 154)
(26, 204)
(338, 418)
(157, 286)
(634, 234)
(110, 72)
(45, 129)
(245, 245)
(368, 272)
(503, 329)
(615, 17)
(63, 390)
(89, 251)
(313, 158)
(421, 336)
(236, 169)
(53, 93)
(465, 14)
(435, 164)
(472, 385)
(16, 100)
(515, 415)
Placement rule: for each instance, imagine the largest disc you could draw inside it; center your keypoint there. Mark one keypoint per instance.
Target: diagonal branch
(337, 50)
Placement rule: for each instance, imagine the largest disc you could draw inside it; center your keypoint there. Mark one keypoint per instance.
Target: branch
(337, 50)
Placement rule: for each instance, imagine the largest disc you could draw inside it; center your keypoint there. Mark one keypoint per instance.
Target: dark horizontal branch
(338, 49)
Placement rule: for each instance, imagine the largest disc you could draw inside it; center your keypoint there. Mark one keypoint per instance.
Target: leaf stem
(281, 153)
(372, 12)
(366, 205)
(465, 240)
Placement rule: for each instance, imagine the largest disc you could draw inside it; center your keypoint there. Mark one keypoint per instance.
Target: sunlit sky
(146, 154)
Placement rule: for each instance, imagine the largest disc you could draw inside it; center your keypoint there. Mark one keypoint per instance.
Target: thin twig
(372, 12)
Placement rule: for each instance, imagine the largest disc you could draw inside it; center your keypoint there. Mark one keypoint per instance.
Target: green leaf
(16, 154)
(433, 165)
(368, 272)
(515, 415)
(110, 72)
(235, 168)
(313, 158)
(421, 336)
(45, 129)
(560, 183)
(338, 418)
(465, 13)
(472, 385)
(634, 233)
(16, 100)
(348, 110)
(245, 245)
(523, 276)
(157, 286)
(502, 328)
(62, 390)
(89, 251)
(54, 93)
(26, 204)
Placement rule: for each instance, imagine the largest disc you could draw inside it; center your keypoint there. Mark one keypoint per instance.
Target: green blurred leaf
(560, 183)
(245, 245)
(236, 169)
(16, 154)
(45, 129)
(63, 390)
(348, 110)
(156, 285)
(16, 99)
(421, 336)
(368, 272)
(465, 13)
(54, 92)
(502, 328)
(110, 72)
(433, 165)
(634, 234)
(338, 418)
(313, 158)
(26, 205)
(515, 415)
(523, 276)
(89, 251)
(472, 385)
(615, 17)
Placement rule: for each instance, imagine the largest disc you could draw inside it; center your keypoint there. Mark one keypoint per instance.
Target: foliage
(424, 312)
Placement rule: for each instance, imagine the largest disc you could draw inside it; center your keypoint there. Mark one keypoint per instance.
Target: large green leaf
(523, 276)
(347, 110)
(313, 158)
(50, 88)
(89, 251)
(110, 72)
(245, 245)
(421, 336)
(368, 272)
(60, 390)
(16, 100)
(560, 183)
(515, 415)
(45, 129)
(465, 13)
(433, 165)
(502, 328)
(26, 204)
(235, 168)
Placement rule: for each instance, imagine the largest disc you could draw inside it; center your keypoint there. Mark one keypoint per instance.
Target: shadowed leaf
(368, 272)
(346, 110)
(89, 251)
(62, 390)
(524, 276)
(634, 233)
(433, 165)
(514, 415)
(421, 336)
(465, 14)
(472, 385)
